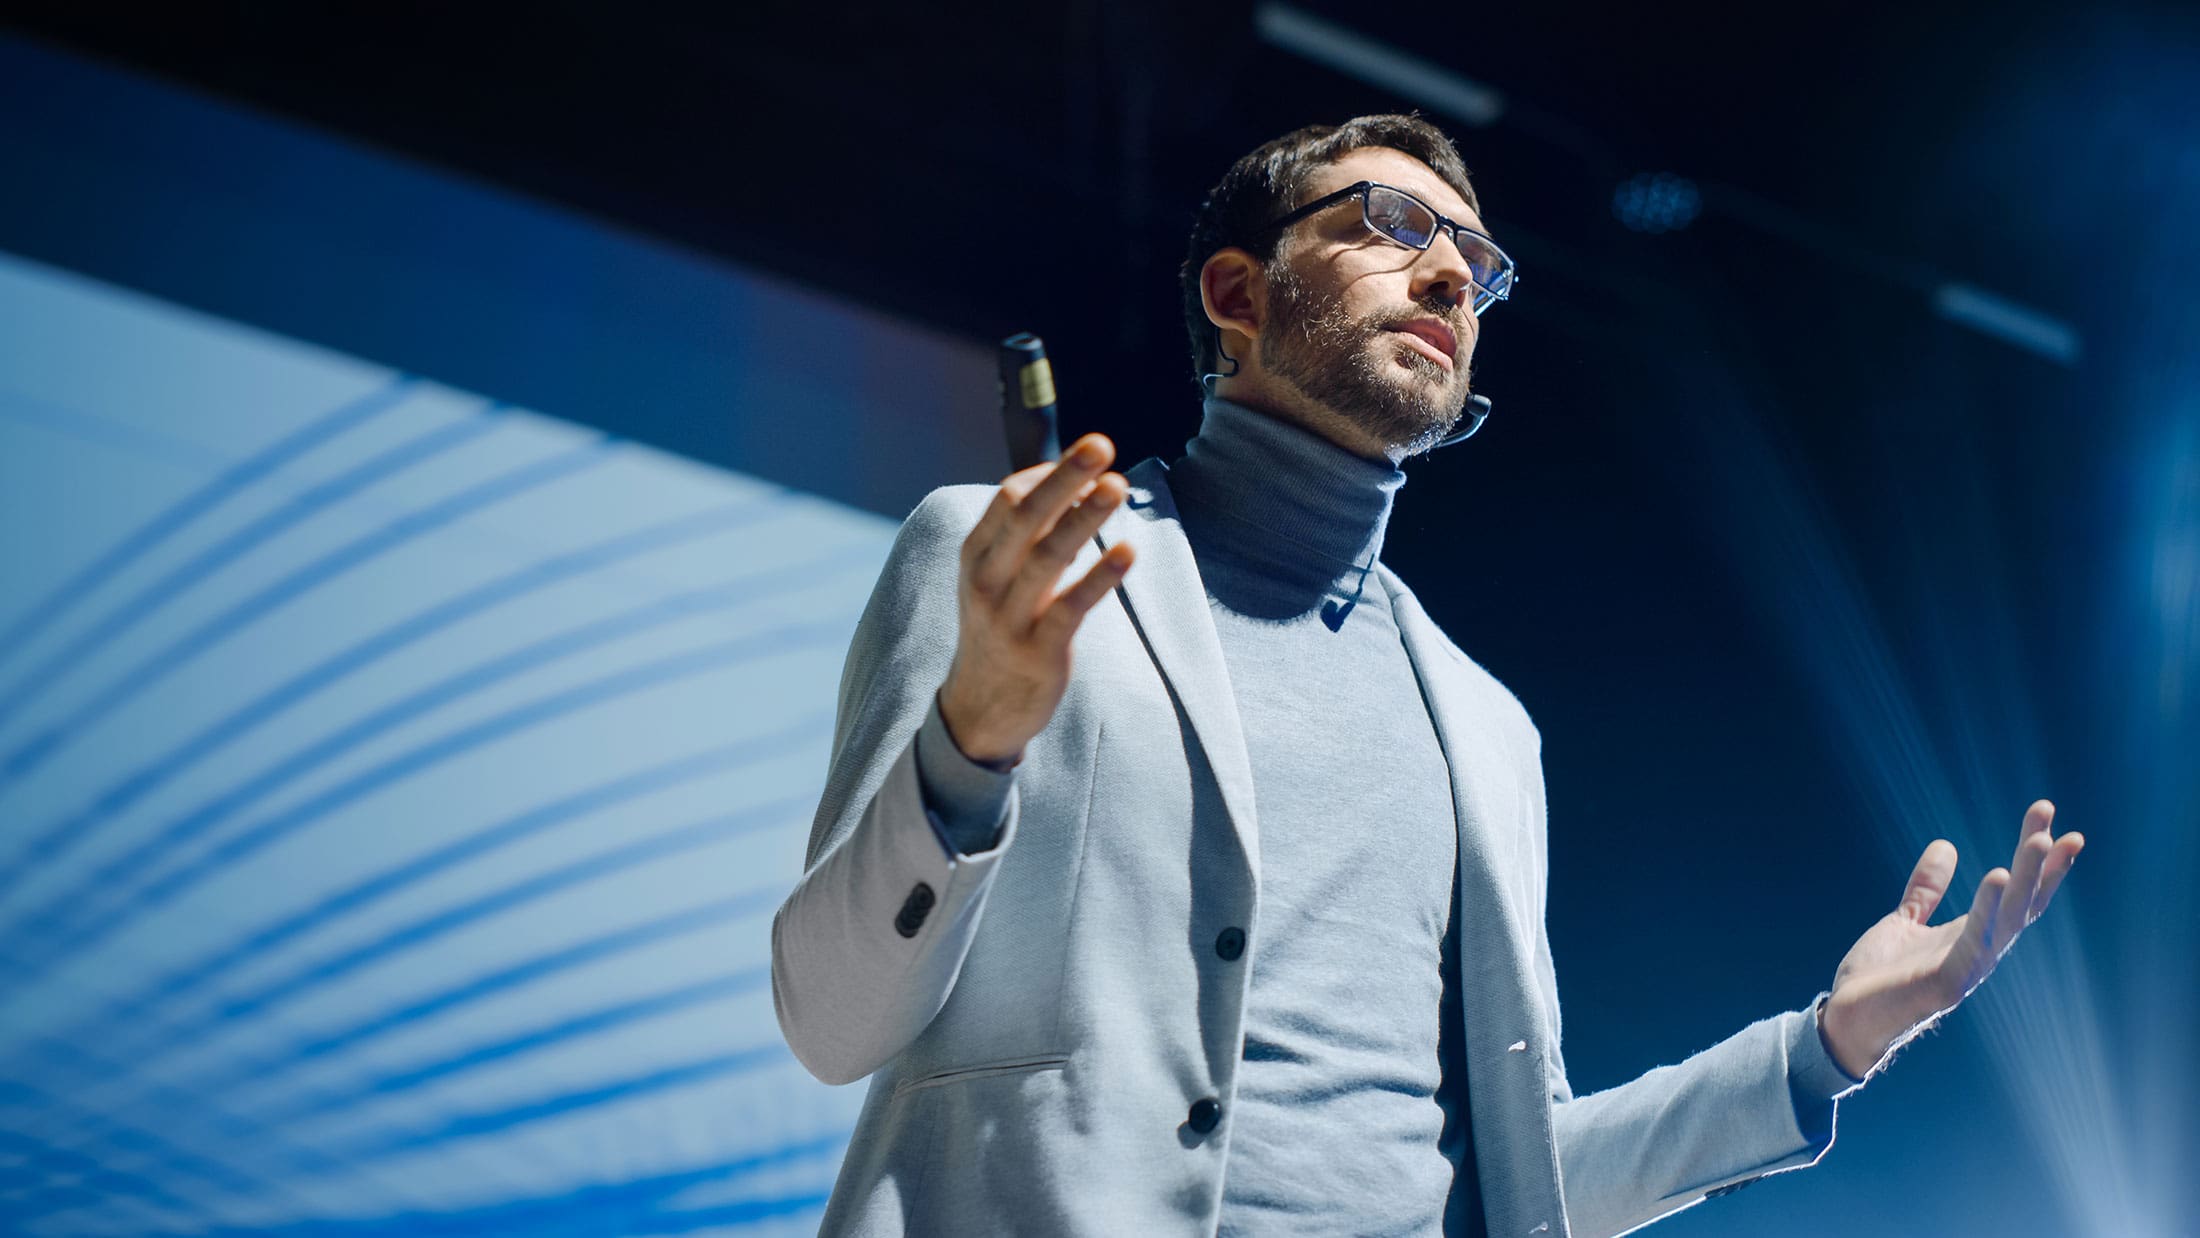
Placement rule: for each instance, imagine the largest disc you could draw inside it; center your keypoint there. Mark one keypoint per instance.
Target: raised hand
(1903, 973)
(1012, 653)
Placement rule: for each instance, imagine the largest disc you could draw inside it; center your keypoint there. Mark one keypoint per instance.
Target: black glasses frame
(1507, 274)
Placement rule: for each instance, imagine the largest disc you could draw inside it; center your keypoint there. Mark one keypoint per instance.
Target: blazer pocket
(983, 1070)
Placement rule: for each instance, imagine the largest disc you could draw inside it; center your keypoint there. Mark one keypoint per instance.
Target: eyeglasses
(1403, 218)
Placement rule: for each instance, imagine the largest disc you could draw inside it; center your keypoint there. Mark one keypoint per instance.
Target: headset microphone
(1478, 407)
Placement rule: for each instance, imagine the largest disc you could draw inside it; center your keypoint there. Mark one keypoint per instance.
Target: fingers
(1979, 922)
(1929, 881)
(2022, 903)
(1026, 508)
(1068, 608)
(2055, 869)
(1017, 486)
(1034, 583)
(2024, 884)
(2036, 820)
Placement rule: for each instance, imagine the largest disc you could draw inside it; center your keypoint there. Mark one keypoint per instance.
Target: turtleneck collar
(1259, 494)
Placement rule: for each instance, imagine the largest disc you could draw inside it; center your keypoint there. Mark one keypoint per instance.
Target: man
(1176, 875)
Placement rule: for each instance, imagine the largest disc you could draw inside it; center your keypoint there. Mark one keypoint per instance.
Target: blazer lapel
(1167, 602)
(1477, 756)
(1507, 1086)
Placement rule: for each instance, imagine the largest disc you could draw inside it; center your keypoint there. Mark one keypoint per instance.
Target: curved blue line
(271, 1064)
(129, 906)
(330, 566)
(319, 753)
(53, 920)
(441, 924)
(64, 834)
(734, 1212)
(574, 1027)
(224, 1175)
(135, 1010)
(199, 567)
(27, 1194)
(31, 1154)
(488, 1122)
(636, 1206)
(207, 497)
(208, 1103)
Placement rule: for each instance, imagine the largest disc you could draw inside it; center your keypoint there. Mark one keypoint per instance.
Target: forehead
(1397, 168)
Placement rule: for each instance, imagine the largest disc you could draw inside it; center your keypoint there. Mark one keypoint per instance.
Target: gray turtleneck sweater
(1345, 1119)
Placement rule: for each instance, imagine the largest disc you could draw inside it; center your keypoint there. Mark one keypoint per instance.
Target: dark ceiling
(988, 168)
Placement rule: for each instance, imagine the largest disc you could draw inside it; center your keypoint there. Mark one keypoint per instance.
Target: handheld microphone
(1027, 402)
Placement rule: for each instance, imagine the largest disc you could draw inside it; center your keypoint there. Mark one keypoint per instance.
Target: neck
(1265, 495)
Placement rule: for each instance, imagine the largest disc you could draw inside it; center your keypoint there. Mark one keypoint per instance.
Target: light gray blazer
(1038, 1019)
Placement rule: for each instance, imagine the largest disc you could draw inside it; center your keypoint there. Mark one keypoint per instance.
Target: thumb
(1929, 881)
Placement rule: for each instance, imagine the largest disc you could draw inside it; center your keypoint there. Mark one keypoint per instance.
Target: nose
(1442, 270)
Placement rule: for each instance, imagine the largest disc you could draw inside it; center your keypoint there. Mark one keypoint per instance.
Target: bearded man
(1233, 922)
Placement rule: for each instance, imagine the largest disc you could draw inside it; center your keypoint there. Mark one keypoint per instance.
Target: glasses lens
(1491, 269)
(1399, 217)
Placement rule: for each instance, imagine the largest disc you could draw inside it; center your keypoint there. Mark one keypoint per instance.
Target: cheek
(1367, 281)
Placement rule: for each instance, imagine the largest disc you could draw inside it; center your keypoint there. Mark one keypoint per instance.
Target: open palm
(1903, 973)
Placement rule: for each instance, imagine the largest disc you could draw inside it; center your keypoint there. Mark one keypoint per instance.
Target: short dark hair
(1271, 179)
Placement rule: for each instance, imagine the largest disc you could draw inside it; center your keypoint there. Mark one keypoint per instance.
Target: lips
(1435, 334)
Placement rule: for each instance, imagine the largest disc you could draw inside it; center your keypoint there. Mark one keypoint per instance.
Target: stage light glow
(1379, 65)
(2090, 1020)
(1656, 202)
(2005, 320)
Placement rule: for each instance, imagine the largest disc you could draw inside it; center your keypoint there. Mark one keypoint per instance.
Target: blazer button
(1230, 944)
(1206, 1114)
(913, 910)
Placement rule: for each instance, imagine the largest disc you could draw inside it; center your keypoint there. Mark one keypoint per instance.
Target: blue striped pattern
(395, 789)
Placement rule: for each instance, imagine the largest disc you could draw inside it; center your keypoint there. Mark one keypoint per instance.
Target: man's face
(1376, 332)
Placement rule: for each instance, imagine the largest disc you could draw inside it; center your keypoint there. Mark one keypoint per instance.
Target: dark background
(1739, 479)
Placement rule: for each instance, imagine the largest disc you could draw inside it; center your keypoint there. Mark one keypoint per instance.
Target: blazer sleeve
(1760, 1102)
(866, 948)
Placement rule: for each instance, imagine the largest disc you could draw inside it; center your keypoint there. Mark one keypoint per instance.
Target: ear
(1234, 292)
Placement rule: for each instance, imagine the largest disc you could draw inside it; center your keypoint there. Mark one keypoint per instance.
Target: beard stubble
(1326, 354)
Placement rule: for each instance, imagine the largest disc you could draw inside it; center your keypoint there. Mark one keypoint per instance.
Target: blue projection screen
(395, 792)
